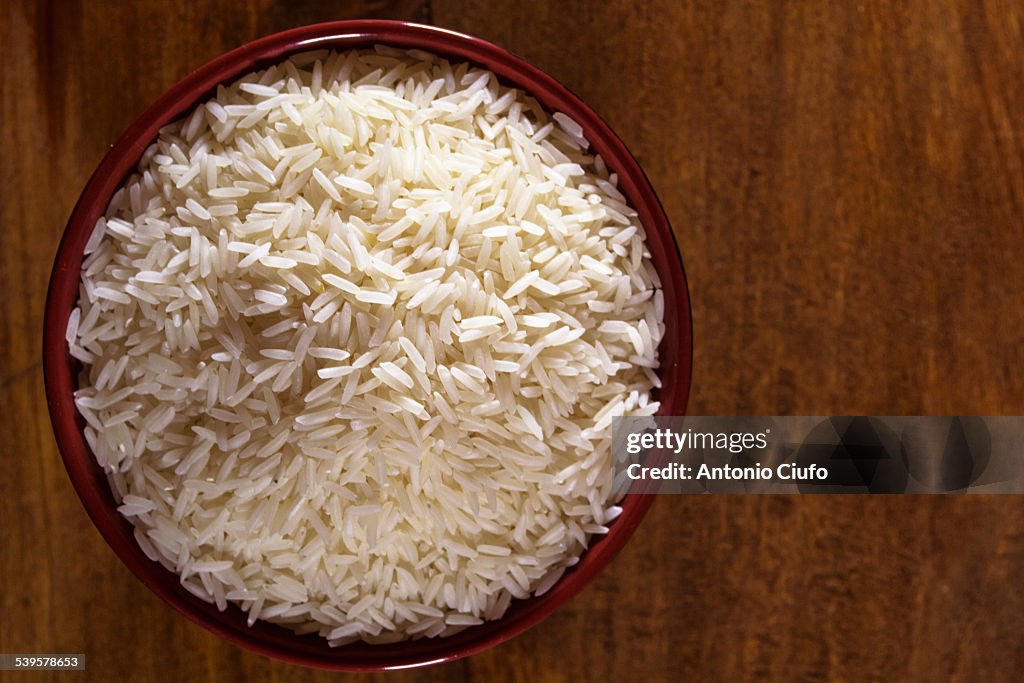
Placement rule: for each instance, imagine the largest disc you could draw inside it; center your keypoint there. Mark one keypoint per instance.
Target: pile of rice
(353, 337)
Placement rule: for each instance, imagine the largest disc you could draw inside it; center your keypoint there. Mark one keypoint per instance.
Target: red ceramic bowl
(61, 369)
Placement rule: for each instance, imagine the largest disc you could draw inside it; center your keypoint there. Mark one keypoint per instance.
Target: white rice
(353, 337)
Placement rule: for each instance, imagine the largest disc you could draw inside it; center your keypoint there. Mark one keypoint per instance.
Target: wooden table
(846, 180)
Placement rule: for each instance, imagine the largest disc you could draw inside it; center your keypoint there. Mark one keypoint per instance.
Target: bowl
(61, 370)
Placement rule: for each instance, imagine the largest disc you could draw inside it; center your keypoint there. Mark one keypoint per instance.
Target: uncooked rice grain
(353, 336)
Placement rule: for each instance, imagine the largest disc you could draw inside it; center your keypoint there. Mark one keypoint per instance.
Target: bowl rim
(121, 159)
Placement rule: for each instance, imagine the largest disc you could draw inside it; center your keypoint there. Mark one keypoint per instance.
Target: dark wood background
(846, 182)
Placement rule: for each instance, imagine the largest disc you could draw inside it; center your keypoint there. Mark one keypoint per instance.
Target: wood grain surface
(846, 180)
